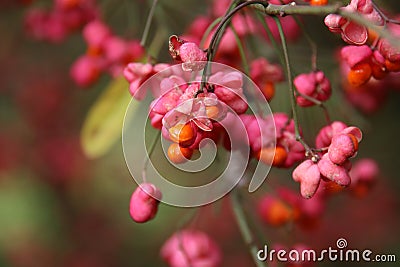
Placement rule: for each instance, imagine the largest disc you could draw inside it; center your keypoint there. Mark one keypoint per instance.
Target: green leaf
(103, 124)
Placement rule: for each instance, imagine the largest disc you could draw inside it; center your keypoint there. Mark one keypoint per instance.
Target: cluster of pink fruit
(105, 52)
(65, 17)
(328, 163)
(370, 63)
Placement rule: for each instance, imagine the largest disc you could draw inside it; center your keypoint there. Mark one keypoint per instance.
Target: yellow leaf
(103, 124)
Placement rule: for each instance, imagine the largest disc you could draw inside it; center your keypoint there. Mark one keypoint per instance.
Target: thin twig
(271, 38)
(218, 33)
(313, 45)
(242, 53)
(208, 31)
(291, 88)
(148, 23)
(222, 24)
(244, 227)
(383, 15)
(318, 103)
(247, 70)
(151, 150)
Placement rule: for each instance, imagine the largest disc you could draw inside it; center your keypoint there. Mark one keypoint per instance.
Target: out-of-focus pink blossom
(311, 209)
(86, 70)
(369, 97)
(55, 28)
(243, 24)
(34, 21)
(364, 170)
(55, 24)
(363, 175)
(265, 75)
(219, 7)
(233, 125)
(227, 49)
(288, 206)
(95, 33)
(115, 49)
(115, 52)
(198, 27)
(134, 52)
(45, 26)
(290, 28)
(262, 71)
(144, 203)
(191, 248)
(308, 208)
(274, 211)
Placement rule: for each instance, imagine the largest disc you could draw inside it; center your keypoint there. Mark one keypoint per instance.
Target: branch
(293, 9)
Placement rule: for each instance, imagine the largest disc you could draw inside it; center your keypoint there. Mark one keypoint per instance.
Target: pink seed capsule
(86, 70)
(325, 135)
(191, 248)
(308, 174)
(314, 85)
(95, 33)
(144, 203)
(191, 54)
(343, 147)
(336, 173)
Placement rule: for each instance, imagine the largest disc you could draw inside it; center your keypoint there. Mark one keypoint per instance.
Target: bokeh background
(59, 208)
